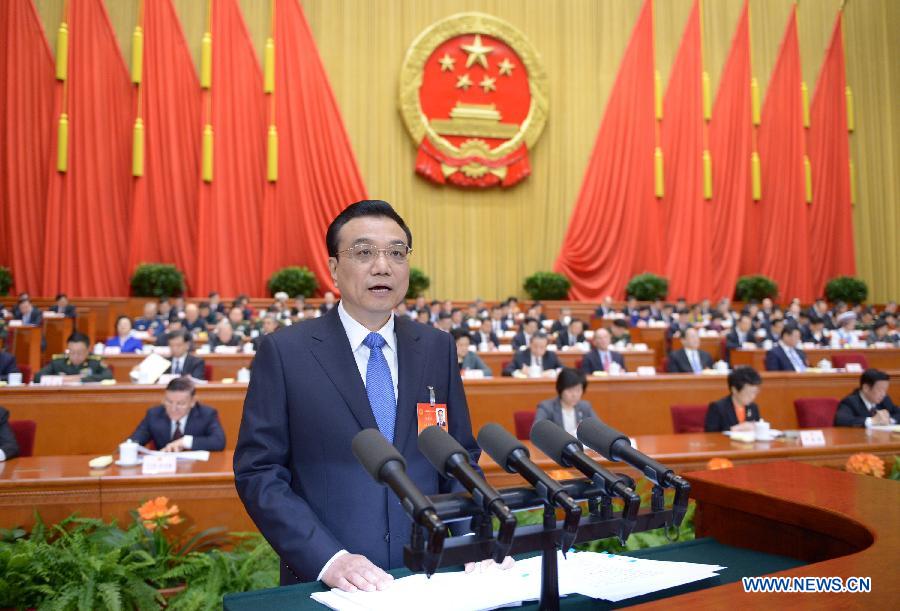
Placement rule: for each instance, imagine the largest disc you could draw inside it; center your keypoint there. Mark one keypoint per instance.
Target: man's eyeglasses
(367, 253)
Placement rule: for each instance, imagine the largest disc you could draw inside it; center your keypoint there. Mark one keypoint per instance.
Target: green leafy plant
(757, 288)
(6, 280)
(895, 470)
(157, 280)
(847, 289)
(547, 285)
(648, 287)
(418, 283)
(294, 281)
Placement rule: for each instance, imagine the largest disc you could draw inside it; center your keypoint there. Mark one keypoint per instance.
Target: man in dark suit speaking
(181, 423)
(316, 385)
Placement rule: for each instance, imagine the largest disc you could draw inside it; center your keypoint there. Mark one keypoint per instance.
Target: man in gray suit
(568, 409)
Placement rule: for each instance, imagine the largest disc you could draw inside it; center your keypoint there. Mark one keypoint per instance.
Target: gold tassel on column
(658, 94)
(755, 177)
(272, 155)
(707, 175)
(807, 173)
(754, 101)
(207, 163)
(804, 96)
(658, 176)
(206, 61)
(62, 143)
(848, 93)
(707, 97)
(269, 70)
(137, 148)
(137, 54)
(62, 52)
(852, 183)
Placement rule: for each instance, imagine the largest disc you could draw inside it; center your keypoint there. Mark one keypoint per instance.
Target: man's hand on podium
(352, 572)
(507, 563)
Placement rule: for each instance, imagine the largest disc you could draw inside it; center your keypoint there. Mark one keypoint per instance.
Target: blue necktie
(380, 387)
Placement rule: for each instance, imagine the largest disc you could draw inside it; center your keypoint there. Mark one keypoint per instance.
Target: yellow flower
(864, 463)
(156, 512)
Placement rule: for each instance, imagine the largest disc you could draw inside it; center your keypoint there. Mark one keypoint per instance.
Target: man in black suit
(499, 324)
(740, 335)
(485, 336)
(600, 358)
(270, 324)
(561, 323)
(181, 423)
(572, 335)
(786, 356)
(606, 308)
(184, 363)
(690, 359)
(870, 405)
(63, 306)
(536, 356)
(739, 406)
(814, 332)
(7, 365)
(522, 339)
(9, 447)
(28, 314)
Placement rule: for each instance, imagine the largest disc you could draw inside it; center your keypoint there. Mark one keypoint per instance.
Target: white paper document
(201, 455)
(601, 576)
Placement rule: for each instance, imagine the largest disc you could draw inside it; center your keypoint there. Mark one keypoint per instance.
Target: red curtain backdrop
(88, 208)
(614, 231)
(318, 175)
(687, 213)
(228, 248)
(781, 237)
(164, 220)
(27, 85)
(730, 143)
(830, 217)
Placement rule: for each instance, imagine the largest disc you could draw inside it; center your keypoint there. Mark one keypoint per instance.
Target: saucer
(129, 464)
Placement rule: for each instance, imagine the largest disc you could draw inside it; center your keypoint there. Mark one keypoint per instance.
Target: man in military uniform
(77, 364)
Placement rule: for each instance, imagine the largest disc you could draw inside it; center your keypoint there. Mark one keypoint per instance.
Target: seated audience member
(223, 336)
(184, 363)
(689, 359)
(9, 447)
(181, 423)
(456, 319)
(209, 316)
(485, 338)
(568, 409)
(741, 334)
(866, 320)
(328, 302)
(846, 330)
(216, 307)
(124, 340)
(536, 358)
(869, 405)
(7, 365)
(62, 306)
(631, 307)
(28, 314)
(466, 358)
(600, 357)
(192, 320)
(151, 322)
(522, 339)
(270, 324)
(175, 326)
(814, 332)
(243, 302)
(606, 308)
(77, 364)
(642, 317)
(424, 317)
(656, 309)
(773, 329)
(574, 334)
(786, 356)
(444, 322)
(562, 323)
(499, 324)
(420, 304)
(536, 311)
(744, 383)
(619, 332)
(171, 310)
(241, 326)
(881, 334)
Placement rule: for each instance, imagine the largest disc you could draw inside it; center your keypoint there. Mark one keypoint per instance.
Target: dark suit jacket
(69, 312)
(519, 340)
(563, 339)
(679, 363)
(733, 342)
(807, 337)
(592, 361)
(478, 337)
(777, 359)
(202, 423)
(523, 359)
(851, 411)
(193, 366)
(35, 317)
(721, 415)
(8, 442)
(551, 409)
(7, 365)
(293, 466)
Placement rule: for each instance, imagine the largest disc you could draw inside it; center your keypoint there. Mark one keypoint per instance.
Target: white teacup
(14, 379)
(761, 429)
(128, 452)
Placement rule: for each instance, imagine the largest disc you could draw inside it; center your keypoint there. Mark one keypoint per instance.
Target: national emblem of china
(473, 95)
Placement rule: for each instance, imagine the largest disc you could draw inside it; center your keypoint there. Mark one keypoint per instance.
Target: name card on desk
(155, 464)
(812, 438)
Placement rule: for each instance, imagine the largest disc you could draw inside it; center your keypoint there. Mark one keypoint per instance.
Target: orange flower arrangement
(865, 464)
(156, 513)
(719, 463)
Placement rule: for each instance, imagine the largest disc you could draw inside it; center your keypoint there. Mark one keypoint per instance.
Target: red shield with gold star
(473, 95)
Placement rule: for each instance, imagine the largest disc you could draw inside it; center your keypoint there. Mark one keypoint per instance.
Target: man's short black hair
(78, 338)
(366, 207)
(119, 318)
(540, 335)
(620, 323)
(181, 384)
(61, 296)
(742, 376)
(459, 333)
(213, 294)
(569, 378)
(816, 320)
(879, 325)
(870, 376)
(529, 319)
(182, 333)
(788, 329)
(444, 315)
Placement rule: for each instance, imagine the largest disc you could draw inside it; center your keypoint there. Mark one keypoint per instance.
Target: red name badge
(430, 414)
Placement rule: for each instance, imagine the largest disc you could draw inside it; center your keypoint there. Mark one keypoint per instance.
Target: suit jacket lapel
(411, 370)
(334, 355)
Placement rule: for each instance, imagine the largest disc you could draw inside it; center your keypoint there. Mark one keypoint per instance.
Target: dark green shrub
(749, 288)
(847, 289)
(418, 283)
(547, 285)
(293, 281)
(157, 280)
(648, 287)
(6, 280)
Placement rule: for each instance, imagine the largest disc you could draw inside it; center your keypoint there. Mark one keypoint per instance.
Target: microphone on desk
(555, 442)
(453, 461)
(513, 457)
(616, 446)
(387, 467)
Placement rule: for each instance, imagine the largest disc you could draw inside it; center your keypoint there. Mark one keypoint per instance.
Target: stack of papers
(601, 576)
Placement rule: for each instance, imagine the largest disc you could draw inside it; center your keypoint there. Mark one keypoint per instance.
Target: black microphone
(513, 456)
(452, 461)
(567, 451)
(387, 467)
(616, 447)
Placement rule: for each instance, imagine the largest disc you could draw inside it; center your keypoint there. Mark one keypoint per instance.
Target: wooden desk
(57, 331)
(879, 358)
(26, 345)
(224, 365)
(569, 358)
